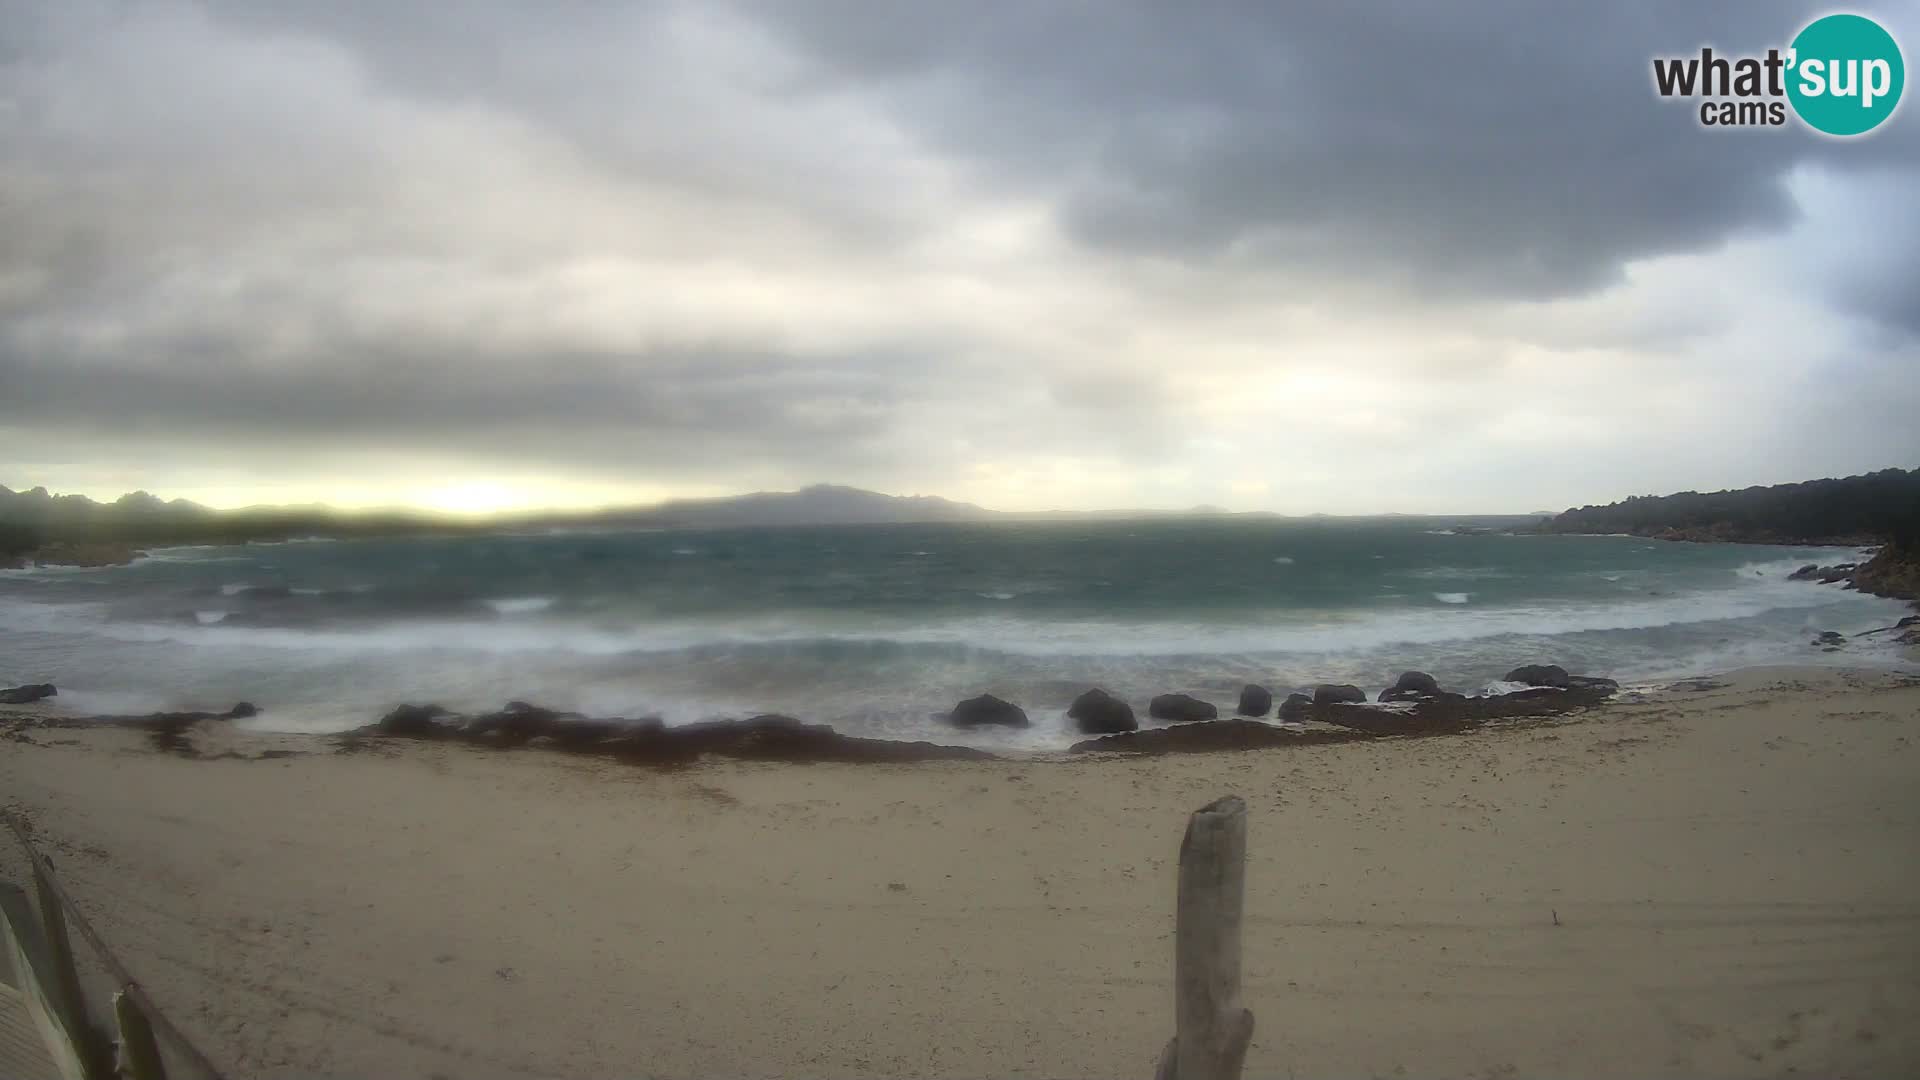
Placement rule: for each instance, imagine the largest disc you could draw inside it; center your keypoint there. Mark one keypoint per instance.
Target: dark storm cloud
(1509, 149)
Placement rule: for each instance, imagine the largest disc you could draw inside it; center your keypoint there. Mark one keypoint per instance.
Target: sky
(1339, 257)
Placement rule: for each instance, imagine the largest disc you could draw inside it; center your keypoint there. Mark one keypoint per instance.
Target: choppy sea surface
(878, 630)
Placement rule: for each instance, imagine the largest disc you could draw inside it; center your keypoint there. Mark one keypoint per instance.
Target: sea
(879, 630)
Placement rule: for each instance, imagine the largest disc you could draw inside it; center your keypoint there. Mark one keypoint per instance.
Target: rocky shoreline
(1891, 573)
(1414, 706)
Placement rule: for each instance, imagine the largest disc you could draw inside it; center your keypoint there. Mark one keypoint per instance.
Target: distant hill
(32, 520)
(1876, 507)
(821, 504)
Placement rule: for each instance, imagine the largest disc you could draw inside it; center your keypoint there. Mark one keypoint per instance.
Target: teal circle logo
(1845, 74)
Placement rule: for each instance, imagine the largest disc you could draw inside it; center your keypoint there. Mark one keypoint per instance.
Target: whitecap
(520, 605)
(234, 588)
(1452, 597)
(1283, 560)
(208, 618)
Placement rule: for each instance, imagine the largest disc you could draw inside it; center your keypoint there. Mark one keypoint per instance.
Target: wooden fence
(1211, 1027)
(39, 941)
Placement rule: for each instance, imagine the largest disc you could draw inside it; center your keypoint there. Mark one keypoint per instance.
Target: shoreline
(648, 740)
(1714, 881)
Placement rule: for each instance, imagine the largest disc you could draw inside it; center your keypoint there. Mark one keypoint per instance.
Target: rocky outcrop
(1222, 735)
(68, 553)
(1254, 701)
(1097, 712)
(1333, 693)
(24, 695)
(1180, 707)
(1892, 572)
(648, 741)
(1296, 707)
(987, 710)
(1410, 684)
(1829, 641)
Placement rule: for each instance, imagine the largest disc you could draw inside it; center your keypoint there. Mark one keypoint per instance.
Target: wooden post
(65, 975)
(1211, 1029)
(27, 950)
(139, 1057)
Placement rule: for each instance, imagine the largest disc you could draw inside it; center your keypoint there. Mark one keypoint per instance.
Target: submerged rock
(1539, 675)
(769, 737)
(1804, 573)
(24, 695)
(1432, 714)
(1910, 620)
(1235, 734)
(1180, 707)
(1830, 639)
(1296, 707)
(1333, 693)
(1410, 684)
(1097, 712)
(415, 722)
(988, 710)
(1255, 700)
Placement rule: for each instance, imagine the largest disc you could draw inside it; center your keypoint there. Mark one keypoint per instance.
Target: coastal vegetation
(1873, 508)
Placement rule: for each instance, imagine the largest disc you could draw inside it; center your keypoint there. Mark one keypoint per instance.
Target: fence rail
(44, 961)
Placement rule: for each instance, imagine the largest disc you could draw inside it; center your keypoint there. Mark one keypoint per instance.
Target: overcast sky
(1370, 257)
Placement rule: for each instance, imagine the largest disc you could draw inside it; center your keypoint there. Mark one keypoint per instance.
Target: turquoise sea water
(877, 629)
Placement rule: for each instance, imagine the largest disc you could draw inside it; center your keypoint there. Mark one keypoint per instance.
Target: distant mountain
(33, 520)
(821, 504)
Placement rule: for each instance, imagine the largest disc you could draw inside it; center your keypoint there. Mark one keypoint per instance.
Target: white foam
(520, 605)
(1260, 632)
(1284, 560)
(234, 588)
(1452, 597)
(208, 618)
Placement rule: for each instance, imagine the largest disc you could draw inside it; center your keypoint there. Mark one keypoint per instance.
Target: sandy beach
(1720, 881)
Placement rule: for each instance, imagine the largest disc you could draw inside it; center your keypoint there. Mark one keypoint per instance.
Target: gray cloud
(1073, 253)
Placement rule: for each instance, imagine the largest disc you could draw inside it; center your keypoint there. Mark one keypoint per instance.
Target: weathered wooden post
(64, 973)
(139, 1057)
(1211, 1029)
